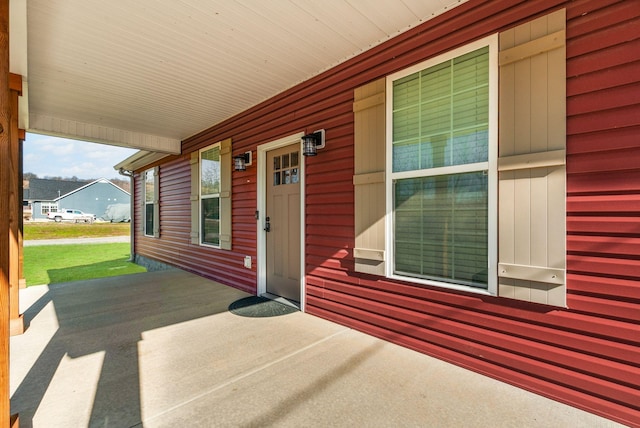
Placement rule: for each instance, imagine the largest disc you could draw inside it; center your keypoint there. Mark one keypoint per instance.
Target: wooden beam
(16, 323)
(15, 83)
(5, 178)
(22, 281)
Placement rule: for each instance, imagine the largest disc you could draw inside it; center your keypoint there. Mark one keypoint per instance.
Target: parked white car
(71, 215)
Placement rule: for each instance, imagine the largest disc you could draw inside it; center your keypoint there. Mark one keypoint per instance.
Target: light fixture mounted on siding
(241, 162)
(312, 142)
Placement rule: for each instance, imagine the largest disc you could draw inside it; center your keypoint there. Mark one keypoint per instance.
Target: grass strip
(53, 230)
(51, 264)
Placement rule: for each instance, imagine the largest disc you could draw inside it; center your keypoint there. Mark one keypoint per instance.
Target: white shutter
(369, 178)
(225, 194)
(531, 162)
(156, 202)
(195, 197)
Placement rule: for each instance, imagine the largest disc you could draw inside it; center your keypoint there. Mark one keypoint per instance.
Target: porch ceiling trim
(101, 134)
(139, 160)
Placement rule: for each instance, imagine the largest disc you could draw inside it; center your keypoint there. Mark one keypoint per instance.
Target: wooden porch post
(16, 324)
(5, 179)
(22, 282)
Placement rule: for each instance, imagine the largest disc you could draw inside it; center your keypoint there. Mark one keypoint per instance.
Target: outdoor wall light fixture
(241, 162)
(312, 142)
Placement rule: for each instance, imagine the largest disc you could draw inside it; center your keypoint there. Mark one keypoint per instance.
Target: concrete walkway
(161, 349)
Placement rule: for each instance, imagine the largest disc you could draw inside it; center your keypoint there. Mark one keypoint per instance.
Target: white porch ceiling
(147, 74)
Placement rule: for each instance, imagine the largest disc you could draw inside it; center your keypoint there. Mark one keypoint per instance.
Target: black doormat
(260, 307)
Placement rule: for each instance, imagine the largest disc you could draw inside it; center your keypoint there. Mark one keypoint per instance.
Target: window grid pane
(149, 189)
(149, 199)
(440, 115)
(441, 228)
(210, 172)
(210, 221)
(148, 219)
(210, 196)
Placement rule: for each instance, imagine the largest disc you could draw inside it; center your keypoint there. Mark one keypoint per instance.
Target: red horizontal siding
(620, 204)
(620, 75)
(613, 288)
(614, 226)
(493, 368)
(485, 342)
(615, 182)
(603, 201)
(586, 355)
(605, 99)
(174, 245)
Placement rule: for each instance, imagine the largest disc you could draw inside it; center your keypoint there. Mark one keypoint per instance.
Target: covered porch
(147, 75)
(164, 349)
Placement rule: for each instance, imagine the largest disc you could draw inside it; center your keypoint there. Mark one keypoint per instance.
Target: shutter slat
(532, 48)
(532, 160)
(374, 177)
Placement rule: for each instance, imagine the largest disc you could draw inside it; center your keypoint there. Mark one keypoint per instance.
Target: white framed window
(441, 172)
(150, 209)
(209, 195)
(48, 207)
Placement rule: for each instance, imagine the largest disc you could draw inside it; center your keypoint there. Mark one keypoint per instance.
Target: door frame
(262, 207)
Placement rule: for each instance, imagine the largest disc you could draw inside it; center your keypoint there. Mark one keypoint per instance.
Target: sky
(48, 156)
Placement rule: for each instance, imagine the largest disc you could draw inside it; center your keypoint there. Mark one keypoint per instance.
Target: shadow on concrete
(108, 316)
(108, 268)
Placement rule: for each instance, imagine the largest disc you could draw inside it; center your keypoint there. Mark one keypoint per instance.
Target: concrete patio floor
(161, 349)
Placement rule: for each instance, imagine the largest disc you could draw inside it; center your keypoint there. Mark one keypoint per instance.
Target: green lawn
(51, 264)
(53, 230)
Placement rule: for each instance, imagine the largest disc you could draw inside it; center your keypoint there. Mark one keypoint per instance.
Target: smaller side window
(210, 196)
(149, 202)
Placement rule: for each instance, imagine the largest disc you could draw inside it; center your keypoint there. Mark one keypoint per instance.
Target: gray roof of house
(42, 189)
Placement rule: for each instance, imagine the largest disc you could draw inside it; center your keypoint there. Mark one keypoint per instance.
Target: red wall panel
(586, 355)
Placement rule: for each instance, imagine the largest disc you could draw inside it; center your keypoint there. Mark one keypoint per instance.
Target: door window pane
(285, 171)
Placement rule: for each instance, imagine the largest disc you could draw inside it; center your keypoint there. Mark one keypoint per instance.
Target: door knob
(267, 224)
